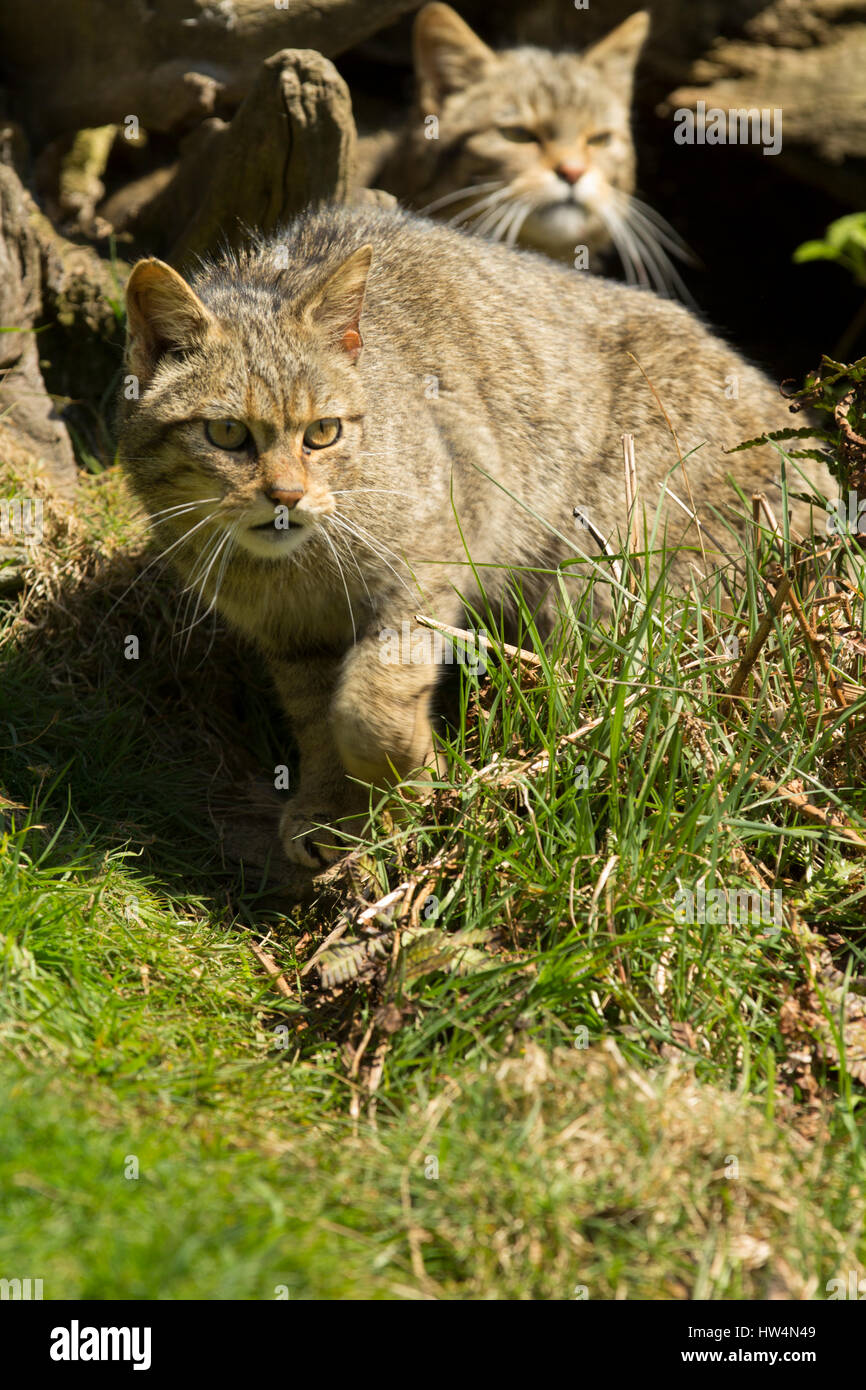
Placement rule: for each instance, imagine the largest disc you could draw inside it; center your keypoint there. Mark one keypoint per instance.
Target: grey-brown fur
(483, 373)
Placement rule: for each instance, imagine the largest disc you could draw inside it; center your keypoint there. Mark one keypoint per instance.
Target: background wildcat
(530, 147)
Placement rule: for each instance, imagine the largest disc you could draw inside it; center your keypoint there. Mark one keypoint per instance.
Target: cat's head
(541, 141)
(246, 410)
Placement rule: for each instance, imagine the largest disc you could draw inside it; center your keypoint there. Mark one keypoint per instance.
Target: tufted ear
(163, 314)
(448, 55)
(335, 310)
(617, 53)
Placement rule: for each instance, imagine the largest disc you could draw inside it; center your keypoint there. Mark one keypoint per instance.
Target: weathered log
(30, 427)
(75, 64)
(819, 89)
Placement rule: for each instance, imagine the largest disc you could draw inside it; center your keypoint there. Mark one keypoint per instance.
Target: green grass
(598, 1097)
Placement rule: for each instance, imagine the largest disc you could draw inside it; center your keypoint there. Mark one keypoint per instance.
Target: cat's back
(435, 294)
(526, 343)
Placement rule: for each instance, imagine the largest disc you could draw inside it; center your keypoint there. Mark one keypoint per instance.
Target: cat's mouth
(287, 525)
(274, 537)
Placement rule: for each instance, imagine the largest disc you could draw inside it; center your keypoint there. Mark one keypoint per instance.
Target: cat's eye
(226, 434)
(321, 433)
(517, 133)
(601, 137)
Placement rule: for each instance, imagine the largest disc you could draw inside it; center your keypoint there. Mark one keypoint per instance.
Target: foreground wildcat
(330, 425)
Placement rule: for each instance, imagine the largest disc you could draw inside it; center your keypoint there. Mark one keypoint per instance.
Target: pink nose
(284, 494)
(569, 171)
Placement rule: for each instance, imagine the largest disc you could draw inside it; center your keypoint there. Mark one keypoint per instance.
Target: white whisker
(221, 553)
(523, 210)
(340, 543)
(634, 271)
(460, 193)
(493, 225)
(663, 273)
(178, 512)
(196, 588)
(629, 225)
(668, 234)
(327, 538)
(377, 548)
(469, 214)
(162, 555)
(178, 506)
(218, 585)
(350, 491)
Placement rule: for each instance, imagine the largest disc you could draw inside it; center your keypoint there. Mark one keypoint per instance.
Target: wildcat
(332, 422)
(531, 147)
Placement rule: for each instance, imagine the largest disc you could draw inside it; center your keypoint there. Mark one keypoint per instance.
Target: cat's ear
(163, 314)
(617, 53)
(336, 308)
(448, 55)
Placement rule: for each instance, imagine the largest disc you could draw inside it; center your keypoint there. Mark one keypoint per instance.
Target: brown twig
(270, 965)
(603, 545)
(816, 644)
(529, 658)
(633, 536)
(505, 770)
(751, 654)
(801, 803)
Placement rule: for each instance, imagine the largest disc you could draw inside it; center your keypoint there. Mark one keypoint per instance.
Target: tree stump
(290, 145)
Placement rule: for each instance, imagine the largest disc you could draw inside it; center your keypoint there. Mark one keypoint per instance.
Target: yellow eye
(517, 133)
(601, 137)
(226, 434)
(321, 433)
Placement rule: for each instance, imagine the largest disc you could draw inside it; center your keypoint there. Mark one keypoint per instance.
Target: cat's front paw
(309, 839)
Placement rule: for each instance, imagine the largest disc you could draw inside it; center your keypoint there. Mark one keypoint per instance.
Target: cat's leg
(363, 719)
(324, 794)
(381, 716)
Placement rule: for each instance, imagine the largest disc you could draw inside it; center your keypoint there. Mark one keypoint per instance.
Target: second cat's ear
(448, 55)
(163, 314)
(335, 309)
(617, 53)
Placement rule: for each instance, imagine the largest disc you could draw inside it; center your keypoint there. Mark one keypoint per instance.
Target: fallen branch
(170, 64)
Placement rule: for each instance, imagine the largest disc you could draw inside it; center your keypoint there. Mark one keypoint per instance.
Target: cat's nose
(284, 494)
(569, 170)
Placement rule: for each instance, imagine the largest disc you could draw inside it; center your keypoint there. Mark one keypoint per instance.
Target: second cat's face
(530, 146)
(554, 139)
